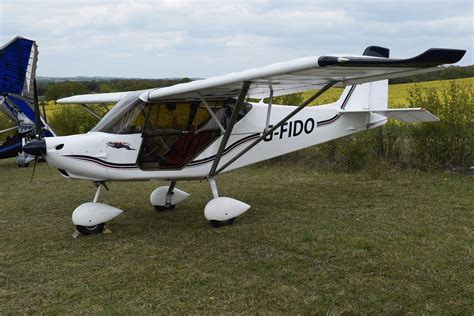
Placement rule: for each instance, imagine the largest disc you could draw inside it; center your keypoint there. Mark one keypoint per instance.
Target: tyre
(88, 230)
(161, 208)
(217, 224)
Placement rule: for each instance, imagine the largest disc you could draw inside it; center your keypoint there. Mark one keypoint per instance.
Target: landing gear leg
(213, 185)
(165, 198)
(169, 194)
(222, 211)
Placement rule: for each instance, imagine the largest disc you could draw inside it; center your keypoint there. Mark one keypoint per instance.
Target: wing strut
(211, 112)
(269, 110)
(9, 129)
(230, 126)
(277, 125)
(91, 111)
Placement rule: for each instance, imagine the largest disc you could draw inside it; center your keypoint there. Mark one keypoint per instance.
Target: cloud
(170, 38)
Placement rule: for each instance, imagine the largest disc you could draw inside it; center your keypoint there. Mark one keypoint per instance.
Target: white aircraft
(197, 130)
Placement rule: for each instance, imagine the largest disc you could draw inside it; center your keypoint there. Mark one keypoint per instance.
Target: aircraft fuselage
(101, 156)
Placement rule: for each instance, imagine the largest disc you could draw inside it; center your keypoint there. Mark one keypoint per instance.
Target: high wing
(303, 74)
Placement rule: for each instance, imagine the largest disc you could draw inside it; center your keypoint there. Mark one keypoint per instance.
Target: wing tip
(430, 58)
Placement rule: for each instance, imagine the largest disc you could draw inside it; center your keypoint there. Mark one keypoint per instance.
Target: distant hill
(44, 79)
(451, 72)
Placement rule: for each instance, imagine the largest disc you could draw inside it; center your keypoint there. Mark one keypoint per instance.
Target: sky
(203, 38)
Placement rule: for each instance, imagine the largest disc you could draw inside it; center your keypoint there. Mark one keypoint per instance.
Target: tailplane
(406, 115)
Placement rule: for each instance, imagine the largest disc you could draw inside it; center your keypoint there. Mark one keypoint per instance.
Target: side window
(168, 117)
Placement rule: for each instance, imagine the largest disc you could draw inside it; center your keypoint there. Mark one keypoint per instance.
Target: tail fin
(372, 95)
(368, 95)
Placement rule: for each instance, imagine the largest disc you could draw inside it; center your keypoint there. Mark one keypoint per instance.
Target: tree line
(450, 73)
(53, 90)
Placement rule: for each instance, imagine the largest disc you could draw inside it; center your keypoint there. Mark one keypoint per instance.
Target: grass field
(313, 242)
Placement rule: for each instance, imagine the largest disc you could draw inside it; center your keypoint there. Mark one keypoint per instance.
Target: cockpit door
(174, 134)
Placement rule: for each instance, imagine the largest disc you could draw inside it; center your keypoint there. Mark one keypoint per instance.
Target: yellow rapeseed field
(397, 93)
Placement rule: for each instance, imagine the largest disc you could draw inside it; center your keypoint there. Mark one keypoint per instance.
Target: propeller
(36, 147)
(38, 130)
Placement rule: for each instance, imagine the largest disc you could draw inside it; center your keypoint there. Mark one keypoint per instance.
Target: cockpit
(173, 132)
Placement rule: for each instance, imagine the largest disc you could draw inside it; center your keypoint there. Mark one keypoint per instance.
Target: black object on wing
(430, 58)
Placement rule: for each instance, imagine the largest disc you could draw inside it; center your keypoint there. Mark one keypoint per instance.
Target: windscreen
(126, 117)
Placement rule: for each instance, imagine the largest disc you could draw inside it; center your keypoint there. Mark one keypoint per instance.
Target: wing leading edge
(112, 97)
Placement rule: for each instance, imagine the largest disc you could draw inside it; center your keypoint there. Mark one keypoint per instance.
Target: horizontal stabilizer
(407, 115)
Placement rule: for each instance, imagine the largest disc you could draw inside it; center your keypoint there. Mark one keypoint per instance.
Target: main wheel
(161, 208)
(217, 224)
(88, 230)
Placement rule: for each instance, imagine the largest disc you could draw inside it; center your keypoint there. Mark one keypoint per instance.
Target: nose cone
(36, 147)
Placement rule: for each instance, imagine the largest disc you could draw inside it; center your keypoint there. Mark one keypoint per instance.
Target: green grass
(313, 242)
